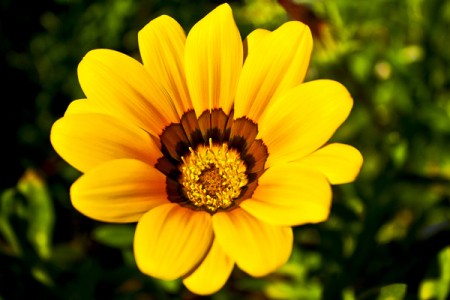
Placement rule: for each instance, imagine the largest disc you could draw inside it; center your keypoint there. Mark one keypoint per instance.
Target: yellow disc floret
(212, 176)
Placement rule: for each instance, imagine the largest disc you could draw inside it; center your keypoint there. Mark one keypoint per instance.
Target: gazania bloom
(214, 146)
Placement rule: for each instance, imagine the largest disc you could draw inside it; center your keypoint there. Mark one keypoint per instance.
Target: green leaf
(116, 236)
(439, 288)
(444, 282)
(392, 292)
(395, 291)
(39, 212)
(7, 209)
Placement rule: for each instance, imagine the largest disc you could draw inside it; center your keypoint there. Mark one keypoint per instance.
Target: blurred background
(388, 236)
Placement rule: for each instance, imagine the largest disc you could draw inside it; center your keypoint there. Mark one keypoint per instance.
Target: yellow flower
(213, 146)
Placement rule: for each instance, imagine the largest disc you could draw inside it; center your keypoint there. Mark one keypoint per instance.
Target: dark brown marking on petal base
(247, 192)
(243, 133)
(214, 125)
(175, 192)
(256, 157)
(191, 128)
(174, 141)
(204, 123)
(168, 168)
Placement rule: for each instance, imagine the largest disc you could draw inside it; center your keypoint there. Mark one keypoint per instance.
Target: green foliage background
(388, 236)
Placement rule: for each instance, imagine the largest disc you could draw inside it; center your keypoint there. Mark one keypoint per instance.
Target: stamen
(213, 176)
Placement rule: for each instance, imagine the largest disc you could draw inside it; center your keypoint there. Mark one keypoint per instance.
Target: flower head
(214, 146)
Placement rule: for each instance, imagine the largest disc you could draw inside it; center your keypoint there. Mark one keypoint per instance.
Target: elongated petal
(212, 274)
(251, 42)
(161, 43)
(303, 119)
(339, 162)
(288, 195)
(279, 63)
(257, 247)
(213, 60)
(171, 240)
(122, 87)
(87, 140)
(82, 106)
(119, 191)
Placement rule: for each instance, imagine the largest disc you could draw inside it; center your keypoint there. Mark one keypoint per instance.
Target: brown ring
(239, 134)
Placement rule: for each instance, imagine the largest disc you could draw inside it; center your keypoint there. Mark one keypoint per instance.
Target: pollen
(213, 176)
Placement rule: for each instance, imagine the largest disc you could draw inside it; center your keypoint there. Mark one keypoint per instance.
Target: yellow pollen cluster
(213, 176)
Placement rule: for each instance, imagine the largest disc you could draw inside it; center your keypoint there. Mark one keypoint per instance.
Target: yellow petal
(279, 63)
(119, 191)
(87, 140)
(212, 274)
(161, 43)
(257, 247)
(171, 240)
(303, 119)
(288, 195)
(120, 86)
(213, 60)
(81, 106)
(252, 40)
(339, 162)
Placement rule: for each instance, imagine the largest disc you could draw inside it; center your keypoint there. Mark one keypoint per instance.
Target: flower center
(213, 176)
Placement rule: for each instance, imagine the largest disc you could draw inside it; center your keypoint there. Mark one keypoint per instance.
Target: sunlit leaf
(287, 290)
(6, 210)
(171, 286)
(112, 235)
(41, 275)
(439, 288)
(395, 229)
(392, 292)
(40, 212)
